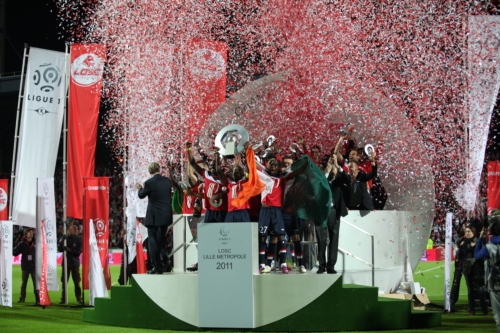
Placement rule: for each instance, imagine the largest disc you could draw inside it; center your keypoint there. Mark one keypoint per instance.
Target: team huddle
(278, 191)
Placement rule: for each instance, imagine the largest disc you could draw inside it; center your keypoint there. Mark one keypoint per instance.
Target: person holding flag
(27, 249)
(73, 249)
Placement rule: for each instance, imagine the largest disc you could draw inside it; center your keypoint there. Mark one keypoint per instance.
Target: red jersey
(212, 187)
(233, 190)
(188, 204)
(274, 196)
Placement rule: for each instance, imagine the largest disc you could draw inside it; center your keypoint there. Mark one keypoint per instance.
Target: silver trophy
(368, 150)
(230, 140)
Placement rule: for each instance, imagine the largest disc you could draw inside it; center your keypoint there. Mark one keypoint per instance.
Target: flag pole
(125, 222)
(65, 165)
(16, 134)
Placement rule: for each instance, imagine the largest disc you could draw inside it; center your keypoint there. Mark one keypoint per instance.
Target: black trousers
(332, 232)
(156, 242)
(74, 272)
(455, 289)
(24, 284)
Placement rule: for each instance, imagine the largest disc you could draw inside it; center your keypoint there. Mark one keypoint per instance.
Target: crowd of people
(226, 189)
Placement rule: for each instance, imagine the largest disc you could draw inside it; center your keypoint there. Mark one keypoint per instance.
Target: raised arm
(171, 176)
(336, 152)
(191, 160)
(222, 175)
(372, 174)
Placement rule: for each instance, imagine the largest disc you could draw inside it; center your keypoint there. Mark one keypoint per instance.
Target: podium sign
(227, 261)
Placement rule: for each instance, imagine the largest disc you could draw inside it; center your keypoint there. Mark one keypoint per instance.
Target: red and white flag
(96, 208)
(205, 84)
(141, 263)
(493, 186)
(43, 293)
(46, 214)
(87, 62)
(97, 280)
(4, 196)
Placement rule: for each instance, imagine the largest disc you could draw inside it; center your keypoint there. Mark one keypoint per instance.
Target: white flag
(484, 81)
(6, 263)
(40, 130)
(46, 211)
(96, 277)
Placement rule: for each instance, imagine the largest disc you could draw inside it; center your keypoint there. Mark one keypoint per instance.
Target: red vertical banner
(96, 208)
(87, 63)
(493, 186)
(139, 253)
(43, 293)
(205, 84)
(4, 209)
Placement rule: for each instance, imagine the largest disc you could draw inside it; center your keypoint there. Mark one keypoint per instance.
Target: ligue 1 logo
(5, 232)
(48, 76)
(100, 227)
(224, 231)
(5, 285)
(3, 199)
(48, 227)
(207, 64)
(45, 189)
(51, 271)
(86, 70)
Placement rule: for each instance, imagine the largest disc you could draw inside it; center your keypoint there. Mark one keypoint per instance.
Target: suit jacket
(158, 189)
(337, 195)
(361, 179)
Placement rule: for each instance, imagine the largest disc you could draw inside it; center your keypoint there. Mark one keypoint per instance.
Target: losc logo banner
(3, 199)
(86, 70)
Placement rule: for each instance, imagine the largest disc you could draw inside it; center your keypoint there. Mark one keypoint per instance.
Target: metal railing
(372, 265)
(184, 245)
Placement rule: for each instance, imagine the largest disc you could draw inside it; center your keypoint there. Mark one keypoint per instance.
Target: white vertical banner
(6, 263)
(96, 277)
(46, 211)
(483, 82)
(40, 130)
(448, 246)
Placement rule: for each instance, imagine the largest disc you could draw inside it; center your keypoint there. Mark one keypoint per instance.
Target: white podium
(227, 261)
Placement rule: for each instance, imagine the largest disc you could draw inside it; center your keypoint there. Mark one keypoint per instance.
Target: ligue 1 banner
(87, 63)
(4, 208)
(46, 215)
(6, 263)
(96, 209)
(97, 281)
(493, 186)
(40, 130)
(205, 84)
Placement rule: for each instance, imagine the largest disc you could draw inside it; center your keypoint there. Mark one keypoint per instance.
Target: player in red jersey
(271, 218)
(214, 194)
(234, 187)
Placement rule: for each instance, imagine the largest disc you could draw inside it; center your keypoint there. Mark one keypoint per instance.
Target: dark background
(35, 23)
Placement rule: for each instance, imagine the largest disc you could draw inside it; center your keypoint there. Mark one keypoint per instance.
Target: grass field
(23, 317)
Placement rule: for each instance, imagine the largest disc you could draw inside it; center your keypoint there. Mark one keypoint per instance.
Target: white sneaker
(302, 269)
(264, 269)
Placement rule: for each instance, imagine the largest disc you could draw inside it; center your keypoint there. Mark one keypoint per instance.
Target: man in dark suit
(354, 188)
(331, 226)
(158, 189)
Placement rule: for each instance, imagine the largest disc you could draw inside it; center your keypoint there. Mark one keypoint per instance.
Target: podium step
(339, 308)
